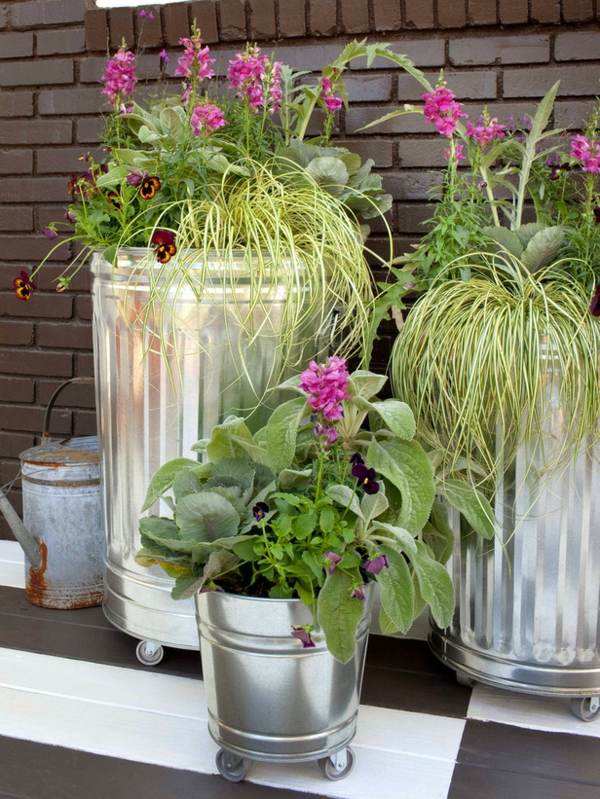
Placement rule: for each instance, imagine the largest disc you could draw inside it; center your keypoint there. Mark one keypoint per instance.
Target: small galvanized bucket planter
(62, 532)
(268, 698)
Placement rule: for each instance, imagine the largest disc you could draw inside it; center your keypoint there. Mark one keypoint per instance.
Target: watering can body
(62, 531)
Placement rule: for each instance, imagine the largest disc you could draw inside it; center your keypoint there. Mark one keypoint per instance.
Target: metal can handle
(54, 397)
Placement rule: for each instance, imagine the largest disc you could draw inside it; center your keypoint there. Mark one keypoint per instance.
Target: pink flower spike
(459, 154)
(195, 63)
(327, 387)
(119, 76)
(441, 108)
(206, 118)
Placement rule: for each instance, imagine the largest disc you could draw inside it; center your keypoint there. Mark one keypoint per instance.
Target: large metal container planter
(269, 699)
(528, 603)
(155, 400)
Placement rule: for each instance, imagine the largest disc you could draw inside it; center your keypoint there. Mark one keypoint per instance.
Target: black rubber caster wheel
(586, 708)
(339, 765)
(232, 767)
(149, 653)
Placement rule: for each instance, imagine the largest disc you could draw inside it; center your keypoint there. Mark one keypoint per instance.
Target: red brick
(419, 13)
(30, 248)
(578, 10)
(16, 104)
(16, 162)
(545, 10)
(16, 389)
(88, 100)
(422, 52)
(148, 30)
(29, 362)
(581, 46)
(205, 14)
(16, 217)
(35, 132)
(262, 19)
(89, 130)
(84, 364)
(359, 116)
(12, 444)
(147, 66)
(468, 84)
(76, 395)
(63, 160)
(35, 13)
(412, 216)
(422, 152)
(369, 87)
(3, 16)
(513, 11)
(15, 45)
(27, 417)
(527, 49)
(57, 42)
(386, 15)
(84, 423)
(411, 185)
(48, 306)
(32, 190)
(233, 20)
(175, 22)
(535, 82)
(61, 336)
(292, 17)
(120, 22)
(380, 150)
(323, 17)
(16, 333)
(483, 12)
(83, 308)
(355, 16)
(36, 73)
(47, 278)
(96, 30)
(452, 14)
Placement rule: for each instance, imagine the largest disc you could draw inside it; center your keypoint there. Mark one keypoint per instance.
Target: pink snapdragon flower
(459, 154)
(194, 64)
(119, 76)
(327, 387)
(332, 101)
(246, 73)
(328, 433)
(484, 134)
(441, 108)
(586, 152)
(206, 118)
(275, 92)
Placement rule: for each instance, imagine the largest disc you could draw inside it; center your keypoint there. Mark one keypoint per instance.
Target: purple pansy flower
(595, 303)
(303, 635)
(260, 510)
(377, 564)
(332, 559)
(366, 478)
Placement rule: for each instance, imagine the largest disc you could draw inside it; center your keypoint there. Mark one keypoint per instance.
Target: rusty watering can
(62, 532)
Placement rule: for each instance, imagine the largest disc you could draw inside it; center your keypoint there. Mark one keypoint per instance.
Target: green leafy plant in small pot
(281, 536)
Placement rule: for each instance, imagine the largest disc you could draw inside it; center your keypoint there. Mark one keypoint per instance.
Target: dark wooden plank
(549, 755)
(472, 782)
(37, 771)
(400, 674)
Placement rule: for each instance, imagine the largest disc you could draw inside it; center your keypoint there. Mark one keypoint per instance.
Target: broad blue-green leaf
(366, 384)
(339, 614)
(404, 540)
(543, 248)
(165, 533)
(373, 505)
(406, 466)
(473, 506)
(438, 534)
(397, 591)
(185, 482)
(206, 517)
(281, 432)
(328, 171)
(345, 497)
(186, 586)
(435, 585)
(292, 478)
(222, 444)
(397, 416)
(163, 479)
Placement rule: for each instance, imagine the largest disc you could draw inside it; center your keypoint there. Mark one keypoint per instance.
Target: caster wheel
(464, 679)
(232, 767)
(149, 653)
(586, 708)
(337, 766)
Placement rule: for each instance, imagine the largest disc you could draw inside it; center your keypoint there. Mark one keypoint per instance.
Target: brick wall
(504, 53)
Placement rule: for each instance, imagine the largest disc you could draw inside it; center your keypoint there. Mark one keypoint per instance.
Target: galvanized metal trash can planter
(269, 699)
(154, 402)
(528, 603)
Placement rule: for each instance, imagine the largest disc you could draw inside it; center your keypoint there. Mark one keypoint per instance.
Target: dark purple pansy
(303, 635)
(260, 510)
(50, 233)
(135, 177)
(366, 478)
(595, 303)
(332, 559)
(356, 459)
(70, 217)
(377, 564)
(597, 214)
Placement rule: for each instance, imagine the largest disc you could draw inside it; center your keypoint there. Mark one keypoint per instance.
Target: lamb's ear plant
(315, 506)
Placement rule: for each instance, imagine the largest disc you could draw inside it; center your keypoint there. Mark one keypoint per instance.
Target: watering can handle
(54, 397)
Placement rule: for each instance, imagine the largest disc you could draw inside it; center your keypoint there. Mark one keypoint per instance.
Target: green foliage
(279, 514)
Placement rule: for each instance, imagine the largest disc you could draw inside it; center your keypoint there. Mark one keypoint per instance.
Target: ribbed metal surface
(161, 386)
(268, 698)
(528, 603)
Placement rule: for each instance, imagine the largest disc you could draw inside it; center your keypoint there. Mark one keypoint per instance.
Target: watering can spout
(21, 533)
